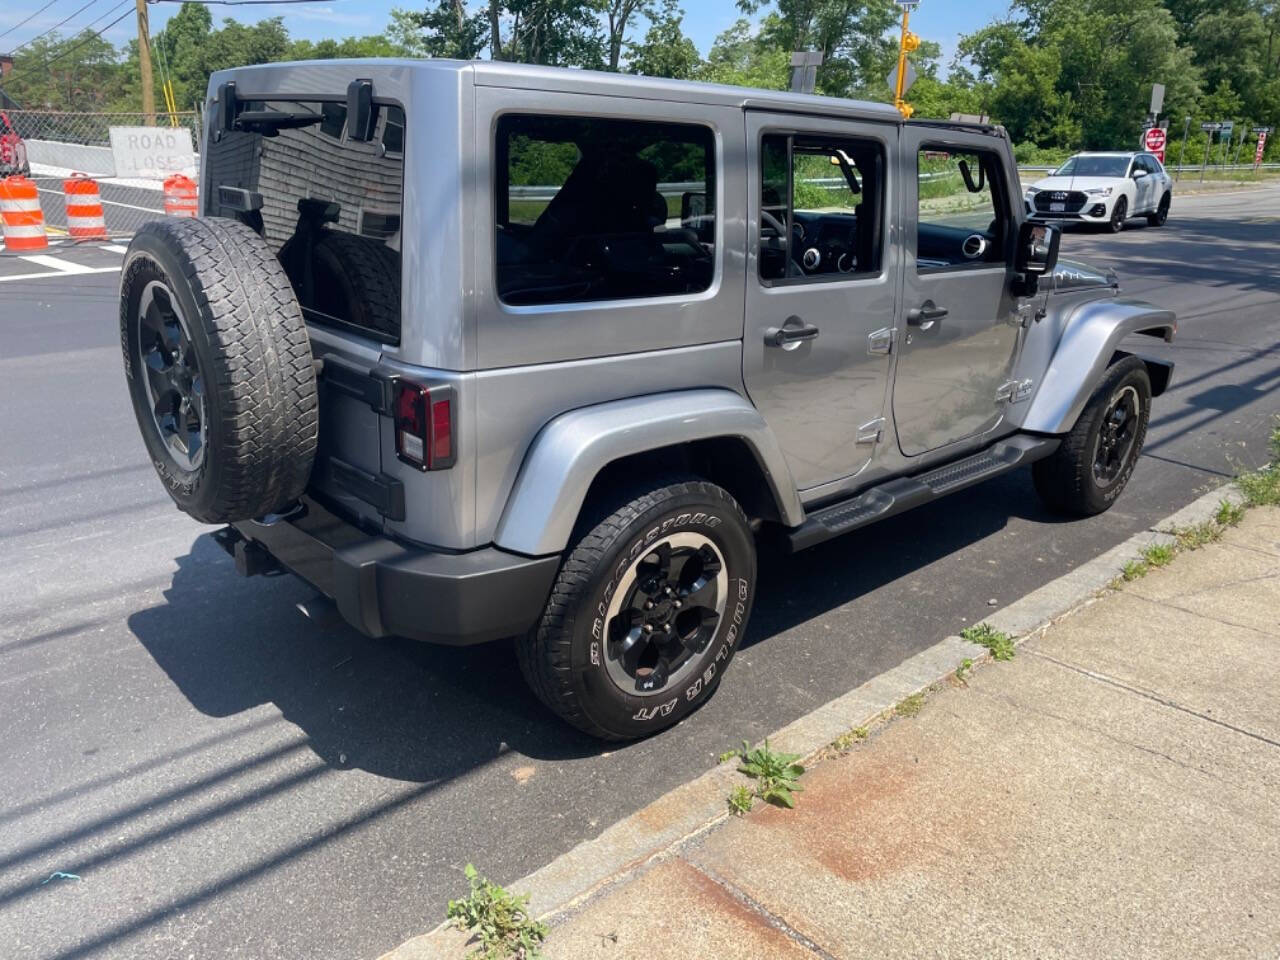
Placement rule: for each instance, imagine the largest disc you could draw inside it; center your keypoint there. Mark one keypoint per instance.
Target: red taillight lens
(442, 432)
(424, 425)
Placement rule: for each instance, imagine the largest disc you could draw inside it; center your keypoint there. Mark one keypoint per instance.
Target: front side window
(960, 219)
(592, 209)
(821, 208)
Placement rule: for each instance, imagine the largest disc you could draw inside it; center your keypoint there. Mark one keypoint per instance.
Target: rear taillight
(424, 425)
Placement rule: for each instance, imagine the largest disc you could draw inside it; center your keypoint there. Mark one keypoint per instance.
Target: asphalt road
(228, 780)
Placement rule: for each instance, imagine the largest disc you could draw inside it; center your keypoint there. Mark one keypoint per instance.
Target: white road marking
(110, 203)
(114, 248)
(59, 273)
(56, 263)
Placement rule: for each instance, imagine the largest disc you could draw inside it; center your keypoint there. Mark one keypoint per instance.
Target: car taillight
(424, 425)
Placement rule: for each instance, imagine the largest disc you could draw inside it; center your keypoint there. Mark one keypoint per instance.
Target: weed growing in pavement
(728, 755)
(911, 706)
(997, 641)
(962, 671)
(1202, 534)
(845, 742)
(1134, 570)
(1261, 488)
(499, 919)
(741, 800)
(776, 774)
(1159, 554)
(1229, 514)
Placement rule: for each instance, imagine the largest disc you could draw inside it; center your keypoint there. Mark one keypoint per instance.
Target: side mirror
(1037, 255)
(1139, 173)
(362, 112)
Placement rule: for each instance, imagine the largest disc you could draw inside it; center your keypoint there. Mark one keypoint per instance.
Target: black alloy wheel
(174, 383)
(1115, 441)
(1119, 215)
(665, 613)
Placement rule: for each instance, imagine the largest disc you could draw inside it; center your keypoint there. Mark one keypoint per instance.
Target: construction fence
(128, 156)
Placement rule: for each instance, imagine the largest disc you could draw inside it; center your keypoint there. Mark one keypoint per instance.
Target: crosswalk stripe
(56, 263)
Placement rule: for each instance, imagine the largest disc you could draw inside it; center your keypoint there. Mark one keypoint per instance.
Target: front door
(958, 329)
(821, 288)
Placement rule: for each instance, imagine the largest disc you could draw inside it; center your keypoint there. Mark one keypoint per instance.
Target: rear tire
(219, 368)
(1161, 216)
(618, 669)
(1089, 471)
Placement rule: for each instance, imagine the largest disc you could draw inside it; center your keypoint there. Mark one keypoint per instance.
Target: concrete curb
(654, 832)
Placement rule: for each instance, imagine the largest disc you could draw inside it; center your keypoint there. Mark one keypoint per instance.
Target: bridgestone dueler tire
(255, 361)
(1065, 481)
(562, 657)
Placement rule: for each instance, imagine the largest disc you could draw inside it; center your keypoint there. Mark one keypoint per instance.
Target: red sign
(1262, 146)
(1154, 141)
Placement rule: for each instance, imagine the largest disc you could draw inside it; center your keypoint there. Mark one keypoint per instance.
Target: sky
(942, 21)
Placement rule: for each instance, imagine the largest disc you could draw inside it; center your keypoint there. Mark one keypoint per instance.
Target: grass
(741, 800)
(1160, 554)
(962, 671)
(997, 642)
(1261, 488)
(1134, 570)
(911, 706)
(1229, 514)
(846, 741)
(499, 919)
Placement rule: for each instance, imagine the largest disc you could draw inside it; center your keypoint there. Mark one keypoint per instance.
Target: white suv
(1103, 188)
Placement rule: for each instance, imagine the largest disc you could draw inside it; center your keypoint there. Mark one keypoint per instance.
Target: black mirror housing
(362, 114)
(1037, 254)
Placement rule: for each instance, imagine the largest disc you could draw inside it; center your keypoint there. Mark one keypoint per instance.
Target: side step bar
(904, 493)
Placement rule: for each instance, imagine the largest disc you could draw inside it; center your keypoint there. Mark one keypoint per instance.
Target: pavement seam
(771, 918)
(1204, 616)
(1155, 698)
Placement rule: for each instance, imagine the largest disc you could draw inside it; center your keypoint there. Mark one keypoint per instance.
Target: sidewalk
(1112, 792)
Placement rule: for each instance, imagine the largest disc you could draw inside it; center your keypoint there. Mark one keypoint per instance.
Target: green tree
(446, 31)
(55, 72)
(741, 58)
(665, 51)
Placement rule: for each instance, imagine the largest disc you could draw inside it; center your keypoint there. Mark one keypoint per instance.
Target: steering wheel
(774, 222)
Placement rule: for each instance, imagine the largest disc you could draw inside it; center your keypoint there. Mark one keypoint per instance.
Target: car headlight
(1099, 192)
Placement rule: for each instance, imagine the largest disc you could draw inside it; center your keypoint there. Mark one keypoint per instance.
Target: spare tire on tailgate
(219, 368)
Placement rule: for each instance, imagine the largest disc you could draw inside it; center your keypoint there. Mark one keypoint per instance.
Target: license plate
(1057, 208)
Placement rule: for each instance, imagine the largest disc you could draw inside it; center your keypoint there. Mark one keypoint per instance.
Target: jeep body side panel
(1074, 346)
(573, 448)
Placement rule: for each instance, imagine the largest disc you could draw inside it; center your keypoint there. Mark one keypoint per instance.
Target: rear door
(958, 325)
(821, 288)
(329, 207)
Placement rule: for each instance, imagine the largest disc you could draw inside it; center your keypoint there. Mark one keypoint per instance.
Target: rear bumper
(385, 588)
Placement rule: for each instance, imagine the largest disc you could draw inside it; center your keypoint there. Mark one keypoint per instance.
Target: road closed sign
(1154, 141)
(152, 153)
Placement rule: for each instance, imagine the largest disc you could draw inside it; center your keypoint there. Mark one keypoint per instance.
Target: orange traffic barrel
(85, 219)
(20, 216)
(180, 196)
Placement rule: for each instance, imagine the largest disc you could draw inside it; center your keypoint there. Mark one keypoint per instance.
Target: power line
(29, 19)
(54, 27)
(17, 75)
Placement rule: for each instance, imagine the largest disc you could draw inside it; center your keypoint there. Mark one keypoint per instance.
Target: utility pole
(1183, 152)
(144, 60)
(902, 78)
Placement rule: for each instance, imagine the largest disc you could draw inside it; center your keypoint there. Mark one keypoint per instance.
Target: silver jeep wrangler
(482, 350)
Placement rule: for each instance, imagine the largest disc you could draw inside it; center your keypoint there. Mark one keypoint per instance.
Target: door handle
(926, 316)
(793, 330)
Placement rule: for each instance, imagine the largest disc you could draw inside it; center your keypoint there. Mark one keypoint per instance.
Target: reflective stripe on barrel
(85, 219)
(180, 196)
(21, 220)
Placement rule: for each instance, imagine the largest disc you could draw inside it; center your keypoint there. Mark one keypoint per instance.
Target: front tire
(646, 613)
(1119, 215)
(1161, 216)
(1091, 468)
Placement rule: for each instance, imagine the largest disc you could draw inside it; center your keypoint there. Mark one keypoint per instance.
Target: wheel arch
(714, 433)
(1089, 345)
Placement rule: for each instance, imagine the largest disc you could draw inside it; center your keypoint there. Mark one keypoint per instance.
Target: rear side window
(592, 209)
(329, 207)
